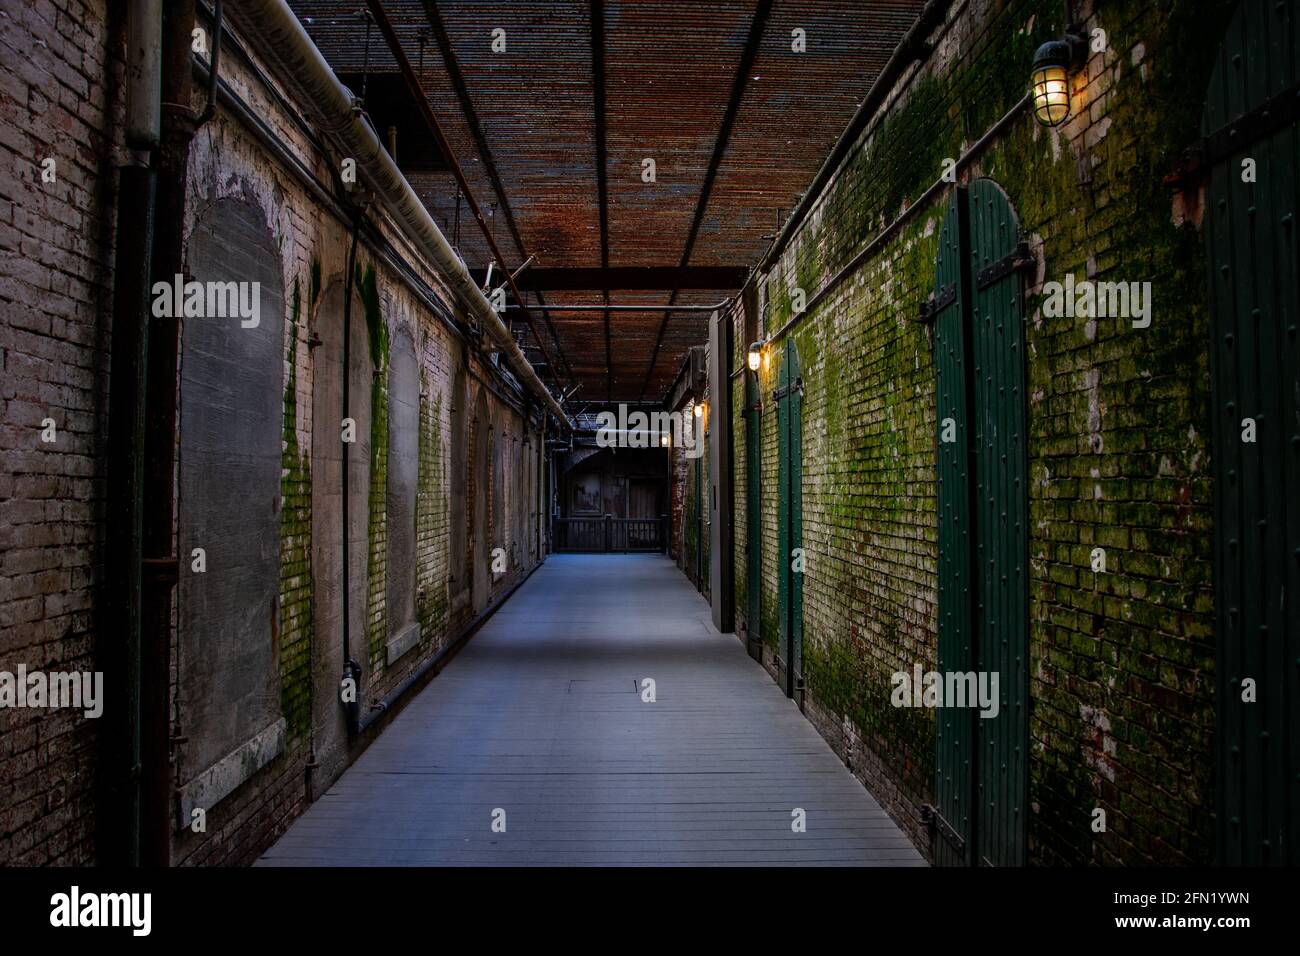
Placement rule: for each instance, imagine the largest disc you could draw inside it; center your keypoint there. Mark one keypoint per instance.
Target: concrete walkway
(541, 715)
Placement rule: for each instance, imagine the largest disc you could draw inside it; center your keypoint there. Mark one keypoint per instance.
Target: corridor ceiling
(552, 133)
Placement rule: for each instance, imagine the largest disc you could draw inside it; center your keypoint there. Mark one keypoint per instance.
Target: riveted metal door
(753, 506)
(983, 529)
(1252, 148)
(954, 734)
(1000, 470)
(790, 521)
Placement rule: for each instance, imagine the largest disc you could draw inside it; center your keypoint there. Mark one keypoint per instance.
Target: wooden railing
(609, 534)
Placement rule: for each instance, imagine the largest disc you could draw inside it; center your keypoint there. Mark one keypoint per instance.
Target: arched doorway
(480, 541)
(499, 514)
(1252, 149)
(403, 477)
(231, 417)
(327, 451)
(980, 410)
(459, 461)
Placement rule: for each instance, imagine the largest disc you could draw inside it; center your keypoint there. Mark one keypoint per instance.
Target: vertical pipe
(171, 162)
(143, 73)
(126, 504)
(350, 668)
(541, 489)
(124, 656)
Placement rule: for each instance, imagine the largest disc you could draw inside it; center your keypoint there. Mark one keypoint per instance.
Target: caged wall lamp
(1049, 81)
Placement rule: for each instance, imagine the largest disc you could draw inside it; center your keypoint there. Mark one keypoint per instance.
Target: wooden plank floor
(541, 716)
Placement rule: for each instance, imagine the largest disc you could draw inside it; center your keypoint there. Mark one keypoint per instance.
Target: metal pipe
(143, 73)
(121, 840)
(274, 30)
(126, 488)
(171, 161)
(350, 668)
(214, 70)
(522, 266)
(632, 308)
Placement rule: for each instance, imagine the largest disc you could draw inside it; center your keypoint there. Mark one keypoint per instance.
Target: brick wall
(1121, 665)
(688, 498)
(59, 91)
(60, 79)
(678, 471)
(226, 159)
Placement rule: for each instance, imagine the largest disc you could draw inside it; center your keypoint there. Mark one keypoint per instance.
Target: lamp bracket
(1078, 44)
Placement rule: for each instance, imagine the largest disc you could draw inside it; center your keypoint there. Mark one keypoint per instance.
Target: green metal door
(753, 507)
(789, 398)
(955, 734)
(1252, 150)
(981, 778)
(1001, 468)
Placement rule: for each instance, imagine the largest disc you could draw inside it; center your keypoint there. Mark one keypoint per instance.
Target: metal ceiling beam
(602, 190)
(617, 278)
(470, 115)
(761, 12)
(435, 128)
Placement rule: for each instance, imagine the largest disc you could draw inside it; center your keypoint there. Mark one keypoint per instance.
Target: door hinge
(795, 386)
(938, 302)
(933, 819)
(1018, 258)
(1263, 121)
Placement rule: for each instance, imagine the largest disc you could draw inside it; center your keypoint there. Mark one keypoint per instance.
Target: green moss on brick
(377, 565)
(296, 585)
(1102, 648)
(431, 520)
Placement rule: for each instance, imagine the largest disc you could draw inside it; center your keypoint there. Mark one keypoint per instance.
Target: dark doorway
(612, 499)
(480, 540)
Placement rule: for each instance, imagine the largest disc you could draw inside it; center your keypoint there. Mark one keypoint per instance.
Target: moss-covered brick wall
(739, 479)
(1121, 666)
(377, 535)
(314, 244)
(296, 617)
(431, 508)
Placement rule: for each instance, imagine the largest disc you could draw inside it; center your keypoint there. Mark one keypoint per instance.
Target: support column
(721, 463)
